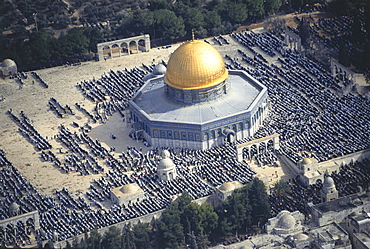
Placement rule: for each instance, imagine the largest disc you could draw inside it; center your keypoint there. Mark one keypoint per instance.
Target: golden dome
(195, 65)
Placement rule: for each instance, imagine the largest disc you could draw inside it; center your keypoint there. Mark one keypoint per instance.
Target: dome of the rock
(195, 65)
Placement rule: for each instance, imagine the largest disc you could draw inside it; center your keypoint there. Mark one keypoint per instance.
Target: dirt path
(289, 19)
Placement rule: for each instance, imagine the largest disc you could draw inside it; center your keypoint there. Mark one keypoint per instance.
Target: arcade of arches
(292, 40)
(342, 71)
(274, 139)
(25, 221)
(127, 46)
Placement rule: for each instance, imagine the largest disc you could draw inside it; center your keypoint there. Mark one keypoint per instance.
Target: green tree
(168, 25)
(367, 17)
(158, 4)
(128, 238)
(83, 244)
(356, 27)
(183, 200)
(212, 20)
(68, 245)
(281, 188)
(40, 45)
(112, 238)
(141, 22)
(191, 219)
(304, 32)
(192, 3)
(237, 210)
(141, 233)
(236, 13)
(170, 230)
(193, 19)
(255, 8)
(94, 36)
(94, 240)
(258, 198)
(60, 21)
(344, 56)
(208, 218)
(296, 4)
(271, 6)
(275, 25)
(342, 7)
(75, 243)
(74, 43)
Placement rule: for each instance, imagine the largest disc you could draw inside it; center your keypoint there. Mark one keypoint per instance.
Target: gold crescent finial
(192, 35)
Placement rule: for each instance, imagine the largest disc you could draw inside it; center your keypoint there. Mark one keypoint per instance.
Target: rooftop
(343, 203)
(157, 106)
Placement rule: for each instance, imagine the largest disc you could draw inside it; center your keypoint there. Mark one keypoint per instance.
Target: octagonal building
(196, 103)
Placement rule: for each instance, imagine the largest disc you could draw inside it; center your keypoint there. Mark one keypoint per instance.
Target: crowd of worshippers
(39, 79)
(29, 131)
(59, 109)
(14, 188)
(306, 111)
(216, 165)
(77, 158)
(69, 216)
(220, 40)
(120, 86)
(310, 118)
(20, 76)
(331, 32)
(350, 179)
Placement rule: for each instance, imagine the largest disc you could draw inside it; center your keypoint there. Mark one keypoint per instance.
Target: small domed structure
(306, 160)
(329, 182)
(286, 222)
(165, 154)
(166, 163)
(8, 67)
(329, 191)
(166, 167)
(227, 188)
(130, 188)
(127, 194)
(230, 186)
(55, 236)
(14, 209)
(301, 237)
(159, 69)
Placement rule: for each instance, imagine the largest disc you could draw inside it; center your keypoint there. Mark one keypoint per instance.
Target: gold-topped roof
(195, 65)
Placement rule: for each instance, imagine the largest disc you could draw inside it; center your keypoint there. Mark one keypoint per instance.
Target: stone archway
(133, 47)
(229, 135)
(115, 51)
(106, 52)
(141, 45)
(124, 49)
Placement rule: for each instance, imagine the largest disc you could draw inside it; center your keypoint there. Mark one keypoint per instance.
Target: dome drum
(197, 95)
